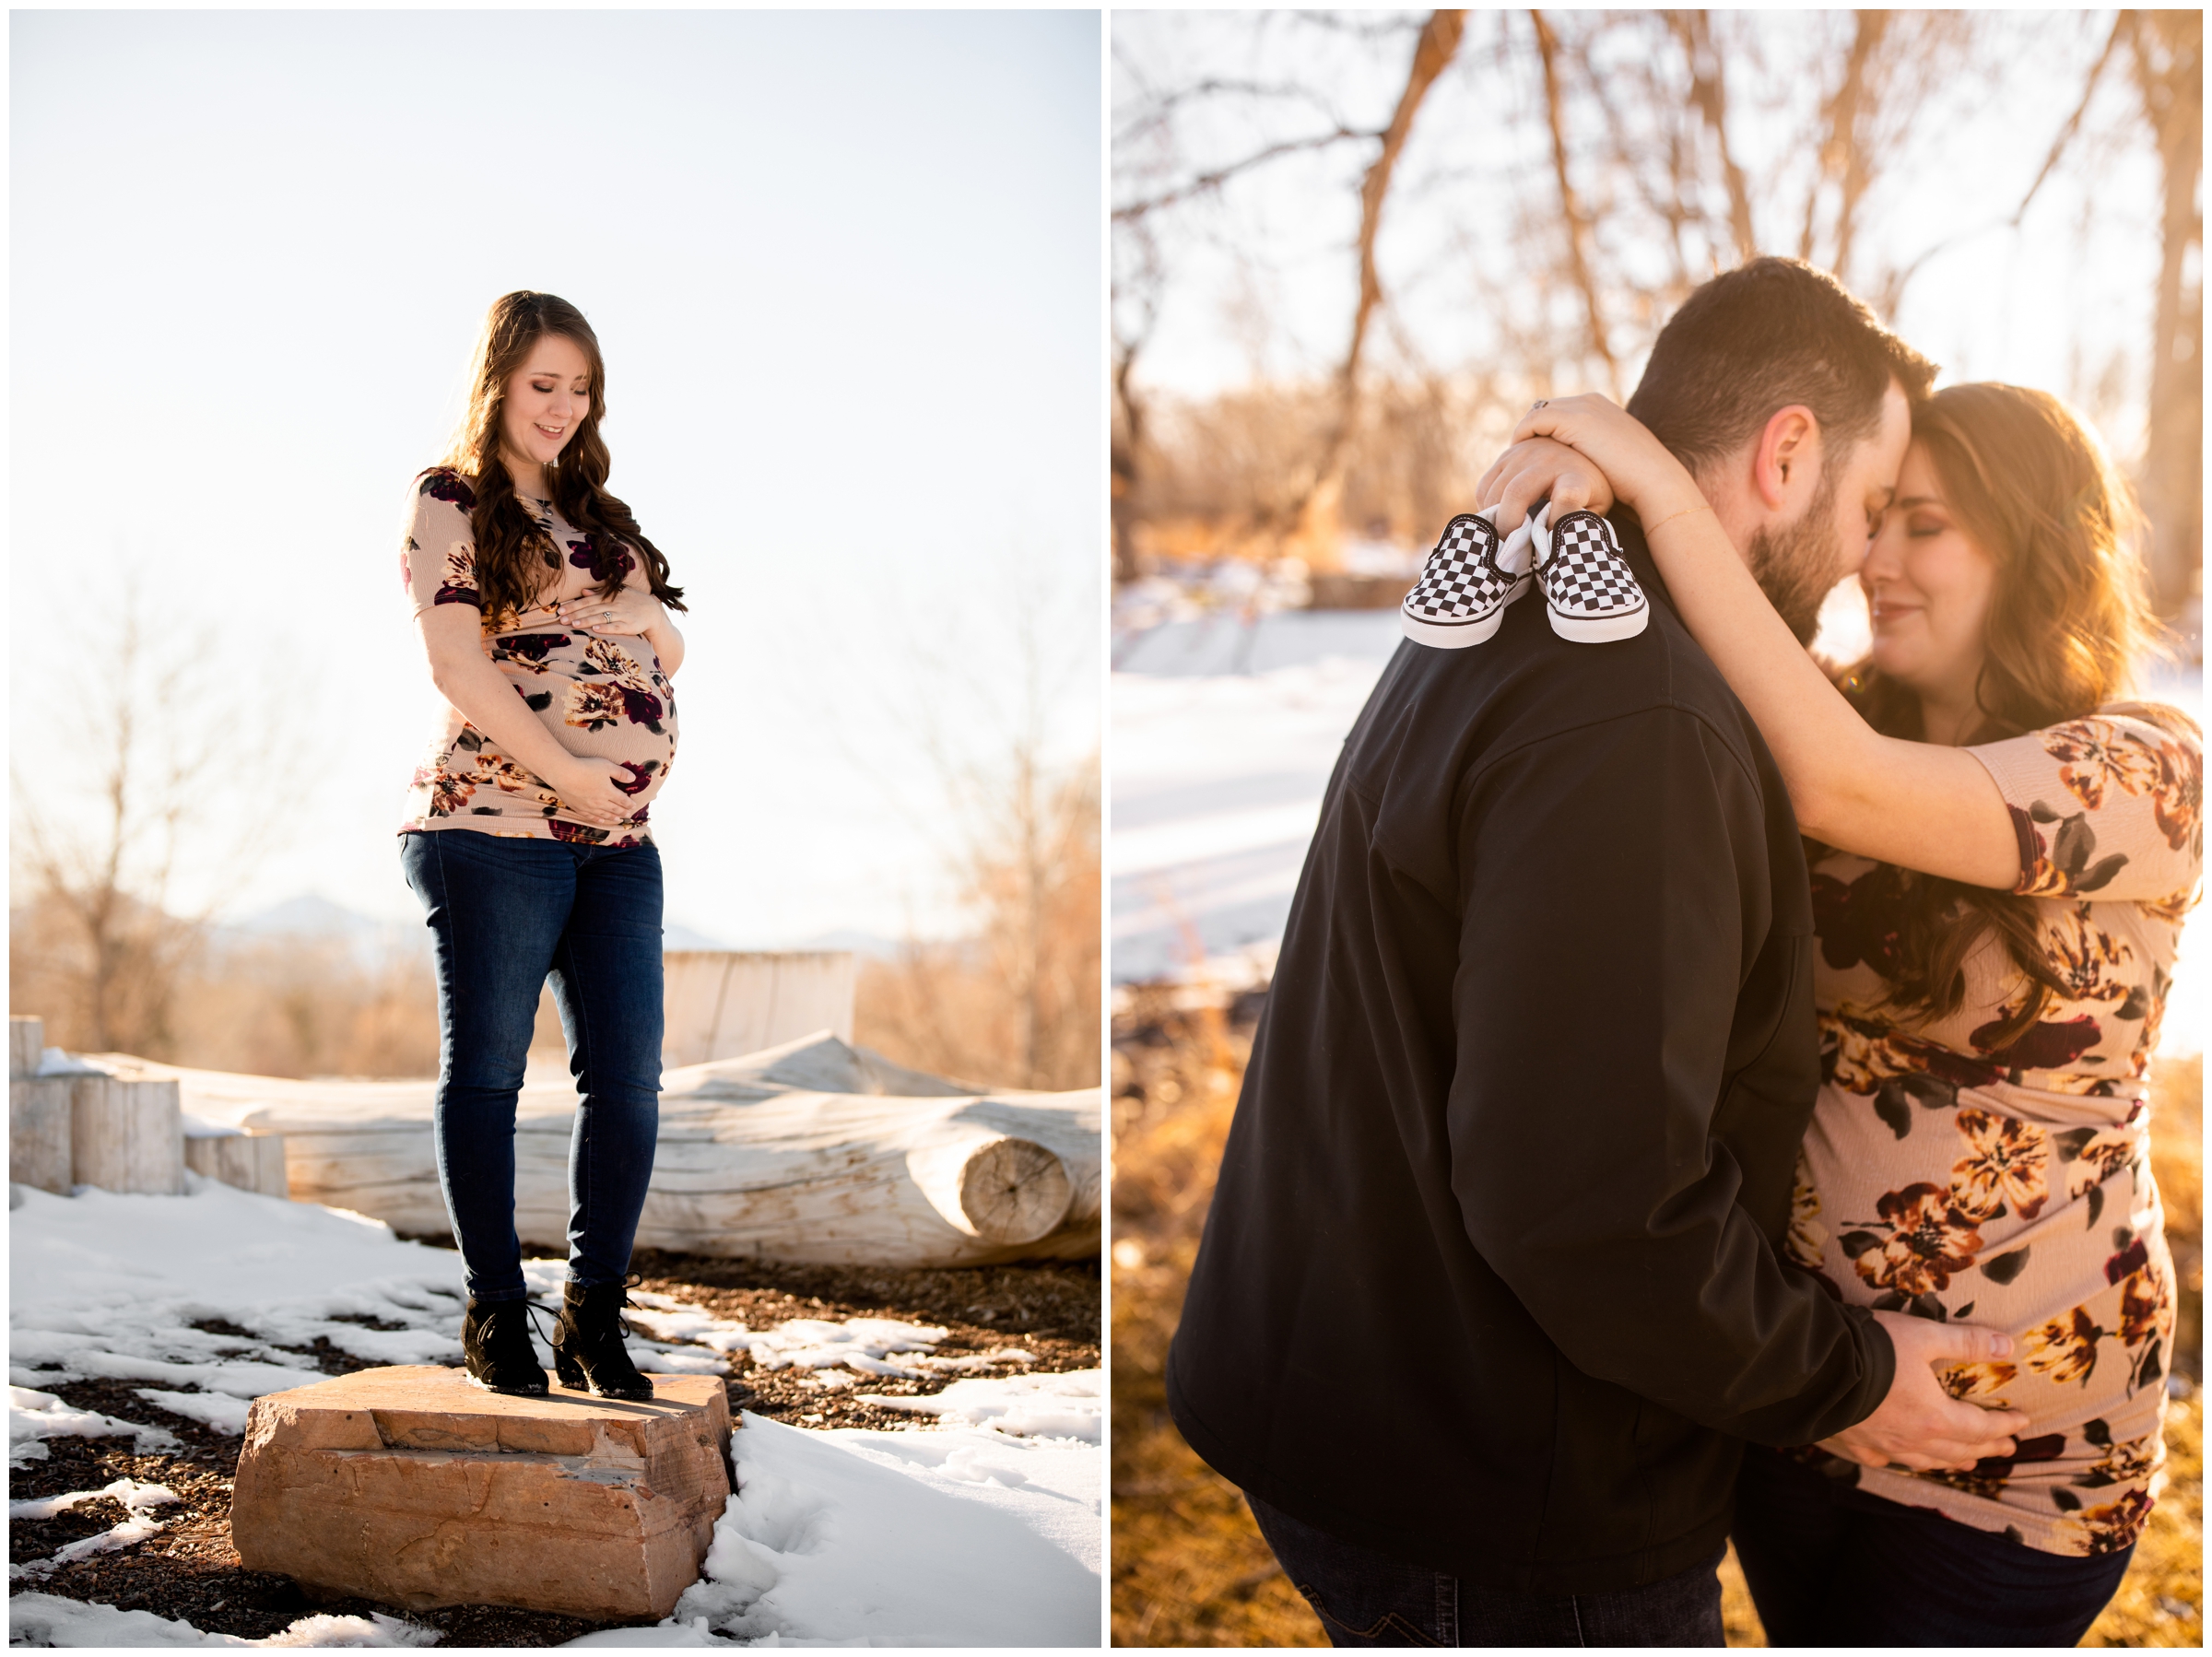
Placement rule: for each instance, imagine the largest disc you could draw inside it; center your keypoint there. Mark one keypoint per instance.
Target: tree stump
(127, 1134)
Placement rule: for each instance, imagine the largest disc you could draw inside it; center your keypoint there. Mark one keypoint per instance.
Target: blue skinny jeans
(505, 916)
(1364, 1598)
(1829, 1564)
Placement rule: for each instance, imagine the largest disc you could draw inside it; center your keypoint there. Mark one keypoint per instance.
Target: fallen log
(814, 1152)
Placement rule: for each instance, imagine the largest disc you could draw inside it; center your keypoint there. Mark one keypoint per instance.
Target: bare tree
(158, 745)
(1017, 1000)
(1438, 41)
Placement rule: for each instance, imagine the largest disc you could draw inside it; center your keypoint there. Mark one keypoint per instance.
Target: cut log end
(1014, 1191)
(999, 1187)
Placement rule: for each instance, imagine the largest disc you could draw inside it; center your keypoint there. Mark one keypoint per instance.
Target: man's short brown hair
(1759, 338)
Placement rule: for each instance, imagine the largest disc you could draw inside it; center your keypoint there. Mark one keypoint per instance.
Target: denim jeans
(505, 916)
(1367, 1599)
(1829, 1564)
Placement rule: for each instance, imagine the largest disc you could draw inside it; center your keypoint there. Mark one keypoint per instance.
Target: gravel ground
(190, 1570)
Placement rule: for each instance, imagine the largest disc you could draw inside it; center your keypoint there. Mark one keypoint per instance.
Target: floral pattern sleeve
(2110, 806)
(437, 555)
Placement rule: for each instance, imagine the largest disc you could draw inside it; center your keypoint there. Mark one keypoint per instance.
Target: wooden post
(127, 1134)
(723, 1003)
(26, 1045)
(37, 1113)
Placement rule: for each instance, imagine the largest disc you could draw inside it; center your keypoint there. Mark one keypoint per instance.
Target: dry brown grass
(1210, 475)
(276, 1006)
(1189, 1565)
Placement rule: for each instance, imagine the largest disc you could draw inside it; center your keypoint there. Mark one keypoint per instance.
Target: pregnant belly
(602, 698)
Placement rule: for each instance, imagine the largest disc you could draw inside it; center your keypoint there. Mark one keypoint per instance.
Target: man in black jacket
(1489, 1296)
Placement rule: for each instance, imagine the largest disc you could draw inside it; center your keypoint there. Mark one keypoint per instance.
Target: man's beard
(1796, 566)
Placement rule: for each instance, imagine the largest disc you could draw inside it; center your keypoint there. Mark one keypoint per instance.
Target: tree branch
(1206, 181)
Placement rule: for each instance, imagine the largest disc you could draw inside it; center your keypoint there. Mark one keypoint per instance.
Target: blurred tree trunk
(1579, 229)
(1709, 91)
(1844, 154)
(2168, 55)
(1128, 435)
(1314, 509)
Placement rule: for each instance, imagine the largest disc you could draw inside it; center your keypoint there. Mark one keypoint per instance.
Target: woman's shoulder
(447, 484)
(2151, 723)
(2118, 735)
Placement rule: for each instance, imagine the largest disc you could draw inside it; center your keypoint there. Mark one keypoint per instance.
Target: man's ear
(1786, 463)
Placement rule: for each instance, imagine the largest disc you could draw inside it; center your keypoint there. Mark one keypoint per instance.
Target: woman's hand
(632, 612)
(1637, 464)
(1537, 469)
(591, 790)
(1919, 1426)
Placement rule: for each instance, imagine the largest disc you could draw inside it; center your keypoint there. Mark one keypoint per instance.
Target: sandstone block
(411, 1486)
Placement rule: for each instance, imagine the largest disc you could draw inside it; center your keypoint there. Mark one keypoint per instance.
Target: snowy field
(981, 1527)
(1218, 774)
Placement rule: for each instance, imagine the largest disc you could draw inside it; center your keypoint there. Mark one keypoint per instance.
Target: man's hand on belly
(1919, 1426)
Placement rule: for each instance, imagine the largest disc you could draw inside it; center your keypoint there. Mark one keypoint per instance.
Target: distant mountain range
(311, 916)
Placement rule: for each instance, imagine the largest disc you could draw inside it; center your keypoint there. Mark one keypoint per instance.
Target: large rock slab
(413, 1486)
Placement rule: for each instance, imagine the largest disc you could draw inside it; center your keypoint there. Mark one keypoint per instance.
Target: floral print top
(600, 694)
(2010, 1186)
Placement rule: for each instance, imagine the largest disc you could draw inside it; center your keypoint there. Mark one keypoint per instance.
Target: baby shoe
(1462, 591)
(1589, 590)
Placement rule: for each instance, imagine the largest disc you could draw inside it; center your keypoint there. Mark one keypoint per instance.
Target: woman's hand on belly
(632, 612)
(591, 788)
(1917, 1423)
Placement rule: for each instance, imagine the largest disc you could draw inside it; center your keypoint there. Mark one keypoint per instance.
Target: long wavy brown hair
(515, 559)
(2067, 626)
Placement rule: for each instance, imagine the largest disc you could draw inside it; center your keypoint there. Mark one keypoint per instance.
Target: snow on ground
(139, 1500)
(1218, 775)
(1224, 736)
(983, 1531)
(46, 1619)
(963, 1537)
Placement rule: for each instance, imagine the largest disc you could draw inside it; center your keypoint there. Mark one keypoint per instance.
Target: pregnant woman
(2007, 852)
(544, 614)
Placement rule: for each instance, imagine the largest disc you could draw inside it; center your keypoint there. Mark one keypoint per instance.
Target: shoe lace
(630, 1281)
(621, 1323)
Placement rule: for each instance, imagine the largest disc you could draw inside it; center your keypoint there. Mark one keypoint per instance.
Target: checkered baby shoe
(1589, 590)
(1464, 590)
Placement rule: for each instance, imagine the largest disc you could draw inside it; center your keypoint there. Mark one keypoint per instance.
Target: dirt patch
(190, 1571)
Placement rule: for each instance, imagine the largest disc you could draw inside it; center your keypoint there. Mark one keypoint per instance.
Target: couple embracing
(1697, 1099)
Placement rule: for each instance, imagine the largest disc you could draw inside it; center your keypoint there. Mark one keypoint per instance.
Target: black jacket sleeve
(1615, 894)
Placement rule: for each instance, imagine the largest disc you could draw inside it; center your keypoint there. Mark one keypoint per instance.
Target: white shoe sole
(1457, 635)
(1601, 629)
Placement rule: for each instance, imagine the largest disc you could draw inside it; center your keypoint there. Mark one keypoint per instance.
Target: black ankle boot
(494, 1338)
(588, 1352)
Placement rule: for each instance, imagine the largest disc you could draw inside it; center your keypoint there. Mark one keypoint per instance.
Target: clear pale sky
(845, 269)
